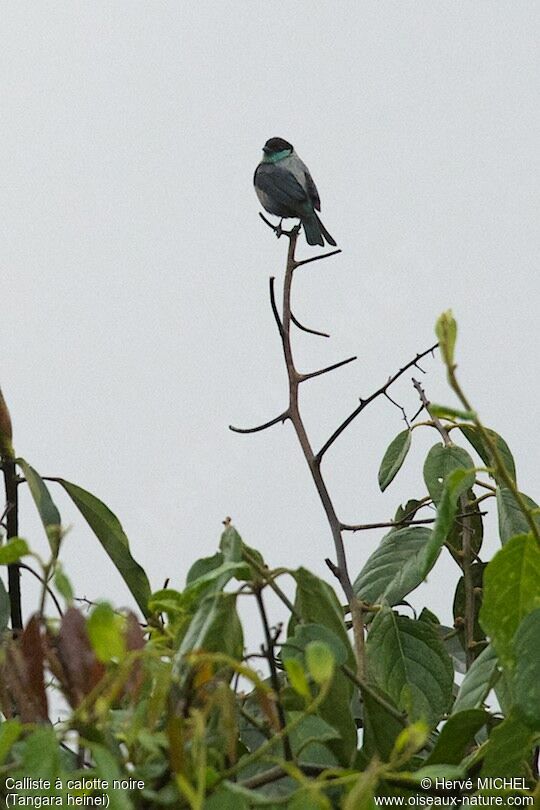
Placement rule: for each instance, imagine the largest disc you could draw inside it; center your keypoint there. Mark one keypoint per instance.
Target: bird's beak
(266, 150)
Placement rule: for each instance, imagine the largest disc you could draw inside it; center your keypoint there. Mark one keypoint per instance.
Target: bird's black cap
(276, 145)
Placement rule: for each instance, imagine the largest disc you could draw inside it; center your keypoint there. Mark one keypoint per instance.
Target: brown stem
(365, 402)
(12, 530)
(466, 537)
(341, 570)
(270, 657)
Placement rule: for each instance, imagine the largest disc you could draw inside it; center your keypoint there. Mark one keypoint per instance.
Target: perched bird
(285, 188)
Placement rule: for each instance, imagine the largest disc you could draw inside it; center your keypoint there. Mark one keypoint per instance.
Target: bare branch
(311, 374)
(396, 524)
(274, 306)
(51, 593)
(399, 407)
(436, 421)
(281, 418)
(317, 258)
(364, 402)
(307, 329)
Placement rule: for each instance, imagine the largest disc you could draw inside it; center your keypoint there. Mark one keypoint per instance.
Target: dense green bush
(168, 708)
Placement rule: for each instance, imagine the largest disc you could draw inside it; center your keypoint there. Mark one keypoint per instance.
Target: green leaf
(393, 458)
(478, 681)
(110, 534)
(105, 631)
(13, 550)
(204, 566)
(316, 603)
(297, 677)
(408, 661)
(381, 727)
(62, 583)
(395, 568)
(226, 798)
(440, 462)
(511, 590)
(40, 758)
(508, 749)
(49, 514)
(320, 661)
(474, 437)
(456, 483)
(308, 736)
(305, 633)
(456, 736)
(512, 521)
(10, 731)
(108, 770)
(446, 331)
(526, 681)
(215, 627)
(5, 608)
(446, 412)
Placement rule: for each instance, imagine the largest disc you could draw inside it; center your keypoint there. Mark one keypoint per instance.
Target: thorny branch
(292, 413)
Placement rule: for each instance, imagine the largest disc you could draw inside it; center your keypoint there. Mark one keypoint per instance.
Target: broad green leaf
(409, 741)
(509, 749)
(105, 631)
(478, 681)
(456, 735)
(395, 568)
(316, 603)
(110, 534)
(49, 514)
(408, 661)
(511, 590)
(456, 483)
(408, 511)
(297, 677)
(5, 608)
(381, 727)
(307, 738)
(512, 521)
(10, 731)
(107, 768)
(13, 550)
(309, 798)
(440, 462)
(446, 331)
(526, 680)
(474, 437)
(305, 633)
(40, 758)
(215, 627)
(62, 583)
(226, 799)
(393, 458)
(320, 661)
(204, 566)
(168, 601)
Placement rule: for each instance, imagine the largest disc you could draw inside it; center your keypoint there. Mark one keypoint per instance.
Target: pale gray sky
(135, 316)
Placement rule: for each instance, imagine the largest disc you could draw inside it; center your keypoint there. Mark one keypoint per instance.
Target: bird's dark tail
(315, 231)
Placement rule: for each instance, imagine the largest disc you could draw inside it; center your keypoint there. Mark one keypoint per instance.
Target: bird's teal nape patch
(276, 156)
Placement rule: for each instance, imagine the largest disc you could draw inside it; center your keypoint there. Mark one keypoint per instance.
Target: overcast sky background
(135, 322)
